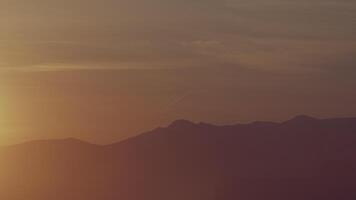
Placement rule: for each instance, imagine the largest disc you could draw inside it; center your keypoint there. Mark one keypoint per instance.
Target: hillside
(300, 159)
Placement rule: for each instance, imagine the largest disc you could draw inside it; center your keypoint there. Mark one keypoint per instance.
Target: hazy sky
(105, 70)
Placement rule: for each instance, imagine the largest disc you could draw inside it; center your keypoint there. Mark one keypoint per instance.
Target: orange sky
(105, 70)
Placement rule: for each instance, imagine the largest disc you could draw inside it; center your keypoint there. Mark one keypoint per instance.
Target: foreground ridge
(186, 160)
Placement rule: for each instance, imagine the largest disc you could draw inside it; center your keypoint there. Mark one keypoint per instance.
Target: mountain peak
(71, 140)
(302, 118)
(181, 123)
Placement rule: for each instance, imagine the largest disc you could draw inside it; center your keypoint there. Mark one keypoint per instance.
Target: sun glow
(7, 118)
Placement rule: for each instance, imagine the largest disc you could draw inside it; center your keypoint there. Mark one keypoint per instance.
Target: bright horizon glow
(107, 70)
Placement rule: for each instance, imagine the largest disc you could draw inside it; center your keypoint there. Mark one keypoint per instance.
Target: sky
(106, 70)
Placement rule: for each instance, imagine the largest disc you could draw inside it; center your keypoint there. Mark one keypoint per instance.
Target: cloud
(273, 35)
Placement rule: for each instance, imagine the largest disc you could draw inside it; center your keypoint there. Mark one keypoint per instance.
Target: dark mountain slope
(303, 158)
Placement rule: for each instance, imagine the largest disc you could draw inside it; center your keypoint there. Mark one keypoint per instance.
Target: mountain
(300, 159)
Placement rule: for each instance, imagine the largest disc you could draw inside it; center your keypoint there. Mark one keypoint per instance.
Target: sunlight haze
(106, 70)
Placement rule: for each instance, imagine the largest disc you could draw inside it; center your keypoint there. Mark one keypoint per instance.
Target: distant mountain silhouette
(301, 159)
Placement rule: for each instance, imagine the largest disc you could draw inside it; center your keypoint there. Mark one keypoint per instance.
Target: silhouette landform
(300, 159)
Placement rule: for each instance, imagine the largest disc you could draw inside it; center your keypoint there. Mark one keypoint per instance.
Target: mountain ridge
(256, 161)
(181, 123)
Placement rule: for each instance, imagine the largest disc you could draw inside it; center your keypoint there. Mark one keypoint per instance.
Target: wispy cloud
(53, 35)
